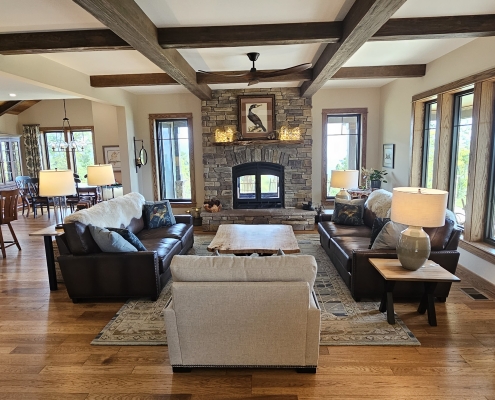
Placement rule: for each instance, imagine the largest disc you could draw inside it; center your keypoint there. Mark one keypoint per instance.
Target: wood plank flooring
(45, 351)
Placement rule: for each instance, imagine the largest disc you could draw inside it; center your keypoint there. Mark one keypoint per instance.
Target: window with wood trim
(77, 161)
(344, 144)
(173, 158)
(430, 142)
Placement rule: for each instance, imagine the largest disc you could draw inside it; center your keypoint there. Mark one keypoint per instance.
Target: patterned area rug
(343, 321)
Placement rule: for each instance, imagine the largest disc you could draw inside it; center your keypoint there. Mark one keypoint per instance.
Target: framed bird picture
(256, 116)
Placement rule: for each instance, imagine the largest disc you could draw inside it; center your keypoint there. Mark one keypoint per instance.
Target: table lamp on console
(418, 208)
(100, 175)
(346, 179)
(57, 184)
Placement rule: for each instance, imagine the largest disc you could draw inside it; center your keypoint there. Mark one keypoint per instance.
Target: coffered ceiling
(61, 15)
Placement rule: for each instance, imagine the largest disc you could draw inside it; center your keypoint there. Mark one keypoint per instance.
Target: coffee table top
(241, 239)
(392, 270)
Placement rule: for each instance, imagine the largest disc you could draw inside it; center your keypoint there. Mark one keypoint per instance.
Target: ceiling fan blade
(253, 82)
(286, 71)
(221, 74)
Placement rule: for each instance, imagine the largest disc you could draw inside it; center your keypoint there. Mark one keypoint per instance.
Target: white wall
(395, 119)
(8, 124)
(49, 113)
(345, 98)
(167, 104)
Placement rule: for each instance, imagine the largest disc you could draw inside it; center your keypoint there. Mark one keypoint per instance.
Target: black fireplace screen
(258, 185)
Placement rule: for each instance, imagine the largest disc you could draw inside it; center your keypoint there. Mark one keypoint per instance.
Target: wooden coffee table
(430, 274)
(247, 239)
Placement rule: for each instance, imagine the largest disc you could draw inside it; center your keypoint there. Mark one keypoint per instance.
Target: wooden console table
(430, 274)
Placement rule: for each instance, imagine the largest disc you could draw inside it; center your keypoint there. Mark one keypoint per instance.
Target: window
(173, 141)
(77, 161)
(430, 129)
(343, 144)
(461, 147)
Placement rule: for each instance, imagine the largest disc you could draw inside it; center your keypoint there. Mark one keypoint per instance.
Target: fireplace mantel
(257, 141)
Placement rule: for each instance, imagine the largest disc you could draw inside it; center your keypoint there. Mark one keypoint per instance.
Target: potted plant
(376, 178)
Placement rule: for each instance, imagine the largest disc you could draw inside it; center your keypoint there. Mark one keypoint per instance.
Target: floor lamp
(418, 208)
(100, 175)
(344, 180)
(57, 184)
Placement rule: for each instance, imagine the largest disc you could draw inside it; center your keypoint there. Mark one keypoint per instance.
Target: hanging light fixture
(61, 145)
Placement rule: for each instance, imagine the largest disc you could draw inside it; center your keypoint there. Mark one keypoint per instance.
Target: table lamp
(344, 180)
(418, 208)
(100, 175)
(57, 184)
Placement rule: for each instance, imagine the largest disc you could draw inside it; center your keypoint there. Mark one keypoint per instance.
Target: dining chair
(36, 199)
(22, 183)
(8, 213)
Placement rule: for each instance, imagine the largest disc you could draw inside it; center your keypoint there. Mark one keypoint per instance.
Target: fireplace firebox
(258, 185)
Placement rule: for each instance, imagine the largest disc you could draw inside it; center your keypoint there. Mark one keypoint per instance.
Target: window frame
(153, 118)
(426, 141)
(490, 198)
(363, 116)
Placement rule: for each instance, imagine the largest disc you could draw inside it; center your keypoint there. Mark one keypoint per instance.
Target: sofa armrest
(184, 219)
(172, 335)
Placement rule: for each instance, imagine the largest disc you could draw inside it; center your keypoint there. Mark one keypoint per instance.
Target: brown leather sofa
(91, 274)
(348, 249)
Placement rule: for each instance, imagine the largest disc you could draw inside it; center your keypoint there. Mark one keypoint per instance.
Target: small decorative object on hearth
(286, 133)
(345, 179)
(308, 206)
(225, 135)
(212, 205)
(418, 208)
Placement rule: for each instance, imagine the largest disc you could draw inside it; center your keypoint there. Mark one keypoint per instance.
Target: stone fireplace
(219, 161)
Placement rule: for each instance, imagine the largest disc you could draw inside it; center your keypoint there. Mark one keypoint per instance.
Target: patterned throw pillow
(158, 214)
(378, 224)
(354, 202)
(130, 237)
(348, 214)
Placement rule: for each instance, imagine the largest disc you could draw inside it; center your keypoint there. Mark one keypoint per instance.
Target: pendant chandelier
(61, 145)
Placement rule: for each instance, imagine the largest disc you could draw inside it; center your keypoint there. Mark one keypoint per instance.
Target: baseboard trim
(480, 283)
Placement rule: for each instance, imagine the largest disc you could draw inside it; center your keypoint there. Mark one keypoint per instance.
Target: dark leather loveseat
(348, 249)
(91, 274)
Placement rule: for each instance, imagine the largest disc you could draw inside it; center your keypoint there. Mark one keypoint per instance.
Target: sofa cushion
(158, 214)
(344, 247)
(79, 239)
(345, 230)
(110, 242)
(368, 217)
(439, 237)
(388, 236)
(165, 248)
(348, 214)
(377, 227)
(130, 237)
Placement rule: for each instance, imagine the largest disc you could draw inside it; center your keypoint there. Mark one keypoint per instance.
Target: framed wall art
(388, 155)
(111, 155)
(256, 116)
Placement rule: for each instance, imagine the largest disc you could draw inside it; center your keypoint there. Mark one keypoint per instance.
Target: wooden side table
(430, 274)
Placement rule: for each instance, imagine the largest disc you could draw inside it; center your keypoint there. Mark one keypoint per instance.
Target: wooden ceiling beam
(361, 22)
(130, 23)
(386, 71)
(9, 105)
(464, 26)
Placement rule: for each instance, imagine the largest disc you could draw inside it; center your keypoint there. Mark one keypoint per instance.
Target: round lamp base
(343, 195)
(413, 248)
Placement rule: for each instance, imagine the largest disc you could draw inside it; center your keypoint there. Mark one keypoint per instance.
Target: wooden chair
(36, 199)
(8, 213)
(22, 183)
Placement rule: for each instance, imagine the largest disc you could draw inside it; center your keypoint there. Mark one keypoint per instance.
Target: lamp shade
(54, 183)
(344, 179)
(100, 175)
(419, 206)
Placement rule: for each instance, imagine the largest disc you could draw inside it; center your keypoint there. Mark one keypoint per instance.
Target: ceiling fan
(255, 76)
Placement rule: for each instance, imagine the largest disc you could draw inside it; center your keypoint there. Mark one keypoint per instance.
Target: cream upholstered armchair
(243, 312)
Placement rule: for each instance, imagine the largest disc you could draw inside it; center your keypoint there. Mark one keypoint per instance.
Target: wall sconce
(286, 133)
(140, 158)
(226, 135)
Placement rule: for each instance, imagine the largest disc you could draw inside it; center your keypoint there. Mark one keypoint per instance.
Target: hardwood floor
(45, 351)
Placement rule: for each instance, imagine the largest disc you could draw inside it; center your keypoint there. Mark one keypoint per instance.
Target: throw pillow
(79, 239)
(378, 224)
(110, 242)
(388, 236)
(347, 214)
(158, 214)
(355, 202)
(130, 237)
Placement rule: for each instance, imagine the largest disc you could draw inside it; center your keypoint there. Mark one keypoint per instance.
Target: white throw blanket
(380, 202)
(115, 213)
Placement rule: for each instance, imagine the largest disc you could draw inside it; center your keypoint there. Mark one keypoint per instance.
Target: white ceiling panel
(440, 8)
(240, 12)
(26, 91)
(106, 62)
(403, 52)
(44, 15)
(356, 83)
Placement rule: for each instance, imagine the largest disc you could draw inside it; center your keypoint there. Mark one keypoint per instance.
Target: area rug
(343, 321)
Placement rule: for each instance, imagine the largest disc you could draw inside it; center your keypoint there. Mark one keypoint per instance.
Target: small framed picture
(256, 116)
(388, 155)
(111, 155)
